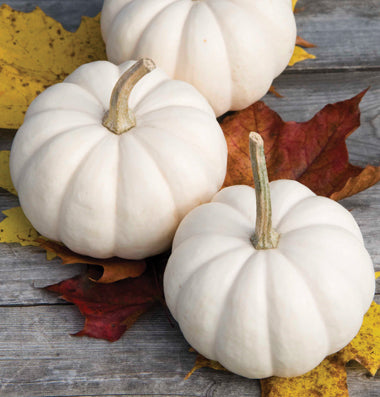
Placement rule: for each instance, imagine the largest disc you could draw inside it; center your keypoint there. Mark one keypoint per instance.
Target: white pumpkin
(120, 193)
(230, 50)
(282, 307)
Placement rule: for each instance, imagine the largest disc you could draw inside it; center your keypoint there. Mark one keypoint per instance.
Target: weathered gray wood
(151, 359)
(67, 12)
(38, 356)
(347, 32)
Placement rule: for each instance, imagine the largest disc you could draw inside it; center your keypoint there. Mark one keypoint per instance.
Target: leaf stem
(120, 118)
(265, 237)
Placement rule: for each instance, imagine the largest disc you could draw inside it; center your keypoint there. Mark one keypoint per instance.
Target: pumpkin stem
(264, 237)
(120, 118)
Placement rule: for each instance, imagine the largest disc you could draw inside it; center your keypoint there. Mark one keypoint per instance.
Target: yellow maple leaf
(36, 52)
(299, 54)
(329, 379)
(5, 176)
(16, 228)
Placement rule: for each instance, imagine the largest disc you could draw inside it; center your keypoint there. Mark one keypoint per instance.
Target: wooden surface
(38, 357)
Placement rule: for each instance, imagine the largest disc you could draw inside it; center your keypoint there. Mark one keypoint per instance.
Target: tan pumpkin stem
(120, 118)
(265, 237)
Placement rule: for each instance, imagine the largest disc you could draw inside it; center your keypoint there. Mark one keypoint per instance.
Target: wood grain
(40, 358)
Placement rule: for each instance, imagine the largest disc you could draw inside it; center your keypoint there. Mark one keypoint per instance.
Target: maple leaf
(313, 152)
(36, 52)
(329, 379)
(110, 309)
(299, 54)
(112, 269)
(16, 228)
(5, 176)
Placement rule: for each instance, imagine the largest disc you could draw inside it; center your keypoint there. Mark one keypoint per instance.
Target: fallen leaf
(16, 228)
(112, 269)
(5, 176)
(313, 152)
(273, 91)
(329, 379)
(304, 43)
(36, 52)
(203, 362)
(110, 309)
(299, 54)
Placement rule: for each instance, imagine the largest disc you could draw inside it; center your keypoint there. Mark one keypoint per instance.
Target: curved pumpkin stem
(120, 118)
(265, 237)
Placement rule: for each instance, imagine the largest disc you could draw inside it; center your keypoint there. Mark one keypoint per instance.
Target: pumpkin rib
(200, 269)
(151, 21)
(312, 291)
(117, 199)
(145, 96)
(87, 91)
(181, 138)
(227, 56)
(181, 42)
(114, 25)
(268, 309)
(71, 87)
(242, 267)
(354, 240)
(28, 160)
(208, 167)
(147, 151)
(71, 181)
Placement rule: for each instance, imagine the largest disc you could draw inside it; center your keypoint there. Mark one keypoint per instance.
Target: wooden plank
(347, 33)
(38, 357)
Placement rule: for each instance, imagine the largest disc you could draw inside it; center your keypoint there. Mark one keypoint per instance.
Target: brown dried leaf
(313, 153)
(112, 269)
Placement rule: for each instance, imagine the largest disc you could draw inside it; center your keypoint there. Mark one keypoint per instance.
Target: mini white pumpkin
(116, 183)
(230, 50)
(265, 301)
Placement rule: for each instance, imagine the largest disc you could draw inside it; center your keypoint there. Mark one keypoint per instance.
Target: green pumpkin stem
(265, 237)
(120, 118)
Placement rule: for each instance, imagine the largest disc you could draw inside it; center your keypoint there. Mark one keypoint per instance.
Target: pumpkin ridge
(349, 280)
(181, 41)
(66, 110)
(227, 56)
(117, 200)
(245, 264)
(199, 269)
(182, 138)
(142, 144)
(291, 208)
(267, 300)
(139, 103)
(71, 181)
(207, 170)
(329, 225)
(151, 21)
(86, 90)
(119, 15)
(27, 162)
(313, 297)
